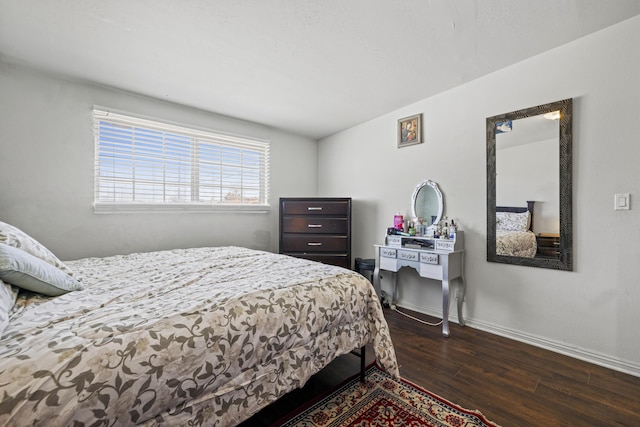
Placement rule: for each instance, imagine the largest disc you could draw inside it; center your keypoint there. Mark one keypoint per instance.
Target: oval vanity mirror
(427, 203)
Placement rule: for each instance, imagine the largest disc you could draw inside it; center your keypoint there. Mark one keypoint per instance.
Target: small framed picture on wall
(410, 131)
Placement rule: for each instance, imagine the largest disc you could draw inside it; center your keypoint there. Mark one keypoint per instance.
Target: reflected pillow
(13, 236)
(511, 221)
(8, 296)
(25, 271)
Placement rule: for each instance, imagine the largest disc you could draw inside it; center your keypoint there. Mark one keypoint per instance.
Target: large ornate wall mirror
(529, 187)
(427, 203)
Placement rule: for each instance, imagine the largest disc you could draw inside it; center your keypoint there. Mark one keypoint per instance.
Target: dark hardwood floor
(511, 383)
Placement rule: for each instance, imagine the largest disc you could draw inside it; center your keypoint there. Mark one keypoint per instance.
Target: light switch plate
(622, 202)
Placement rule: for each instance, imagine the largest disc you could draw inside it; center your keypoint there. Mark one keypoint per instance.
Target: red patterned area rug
(383, 401)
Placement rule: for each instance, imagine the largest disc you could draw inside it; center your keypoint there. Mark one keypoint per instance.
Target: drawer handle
(314, 244)
(314, 226)
(314, 208)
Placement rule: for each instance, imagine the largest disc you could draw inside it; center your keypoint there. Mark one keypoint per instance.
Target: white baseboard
(599, 359)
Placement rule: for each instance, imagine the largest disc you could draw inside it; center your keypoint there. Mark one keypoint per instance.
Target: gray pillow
(13, 236)
(24, 270)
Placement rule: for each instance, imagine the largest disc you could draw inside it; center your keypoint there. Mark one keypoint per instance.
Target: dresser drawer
(319, 207)
(314, 225)
(317, 243)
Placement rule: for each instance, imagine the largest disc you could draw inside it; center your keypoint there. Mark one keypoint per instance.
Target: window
(147, 165)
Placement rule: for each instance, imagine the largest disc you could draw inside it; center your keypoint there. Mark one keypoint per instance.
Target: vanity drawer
(317, 243)
(429, 258)
(394, 241)
(409, 255)
(388, 253)
(314, 225)
(445, 245)
(318, 207)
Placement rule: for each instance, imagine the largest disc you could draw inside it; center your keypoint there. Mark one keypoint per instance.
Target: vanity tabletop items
(437, 259)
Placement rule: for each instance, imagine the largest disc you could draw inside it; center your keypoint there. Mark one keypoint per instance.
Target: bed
(202, 336)
(514, 231)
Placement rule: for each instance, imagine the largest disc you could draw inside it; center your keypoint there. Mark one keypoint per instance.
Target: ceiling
(312, 67)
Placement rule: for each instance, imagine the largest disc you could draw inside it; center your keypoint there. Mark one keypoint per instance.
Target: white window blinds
(144, 164)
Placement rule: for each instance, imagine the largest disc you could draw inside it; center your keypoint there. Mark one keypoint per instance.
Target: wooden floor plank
(510, 382)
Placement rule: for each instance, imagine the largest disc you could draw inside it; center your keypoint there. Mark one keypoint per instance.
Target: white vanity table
(433, 258)
(440, 259)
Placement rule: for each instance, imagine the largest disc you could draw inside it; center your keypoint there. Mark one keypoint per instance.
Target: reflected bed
(514, 231)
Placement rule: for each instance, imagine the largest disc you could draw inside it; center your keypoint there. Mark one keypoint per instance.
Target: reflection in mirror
(535, 140)
(529, 187)
(427, 203)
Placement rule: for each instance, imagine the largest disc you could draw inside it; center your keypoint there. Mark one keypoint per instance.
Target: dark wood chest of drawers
(318, 229)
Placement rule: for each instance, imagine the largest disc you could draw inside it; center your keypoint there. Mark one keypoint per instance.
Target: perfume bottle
(398, 222)
(453, 229)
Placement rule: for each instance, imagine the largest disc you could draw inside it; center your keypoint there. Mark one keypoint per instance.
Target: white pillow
(22, 269)
(511, 221)
(13, 236)
(8, 296)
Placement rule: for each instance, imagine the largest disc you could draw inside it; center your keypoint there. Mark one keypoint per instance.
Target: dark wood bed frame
(519, 209)
(362, 355)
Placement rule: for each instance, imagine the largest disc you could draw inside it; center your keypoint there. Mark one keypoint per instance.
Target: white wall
(592, 312)
(46, 170)
(530, 172)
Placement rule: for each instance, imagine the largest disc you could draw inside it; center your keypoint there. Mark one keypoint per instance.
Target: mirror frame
(414, 197)
(565, 260)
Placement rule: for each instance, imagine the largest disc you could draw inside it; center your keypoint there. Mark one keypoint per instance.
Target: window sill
(116, 208)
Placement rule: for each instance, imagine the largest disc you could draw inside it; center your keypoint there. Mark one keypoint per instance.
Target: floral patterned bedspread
(203, 336)
(516, 243)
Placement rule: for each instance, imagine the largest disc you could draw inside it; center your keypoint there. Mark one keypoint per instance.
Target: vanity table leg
(445, 307)
(460, 296)
(460, 300)
(394, 289)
